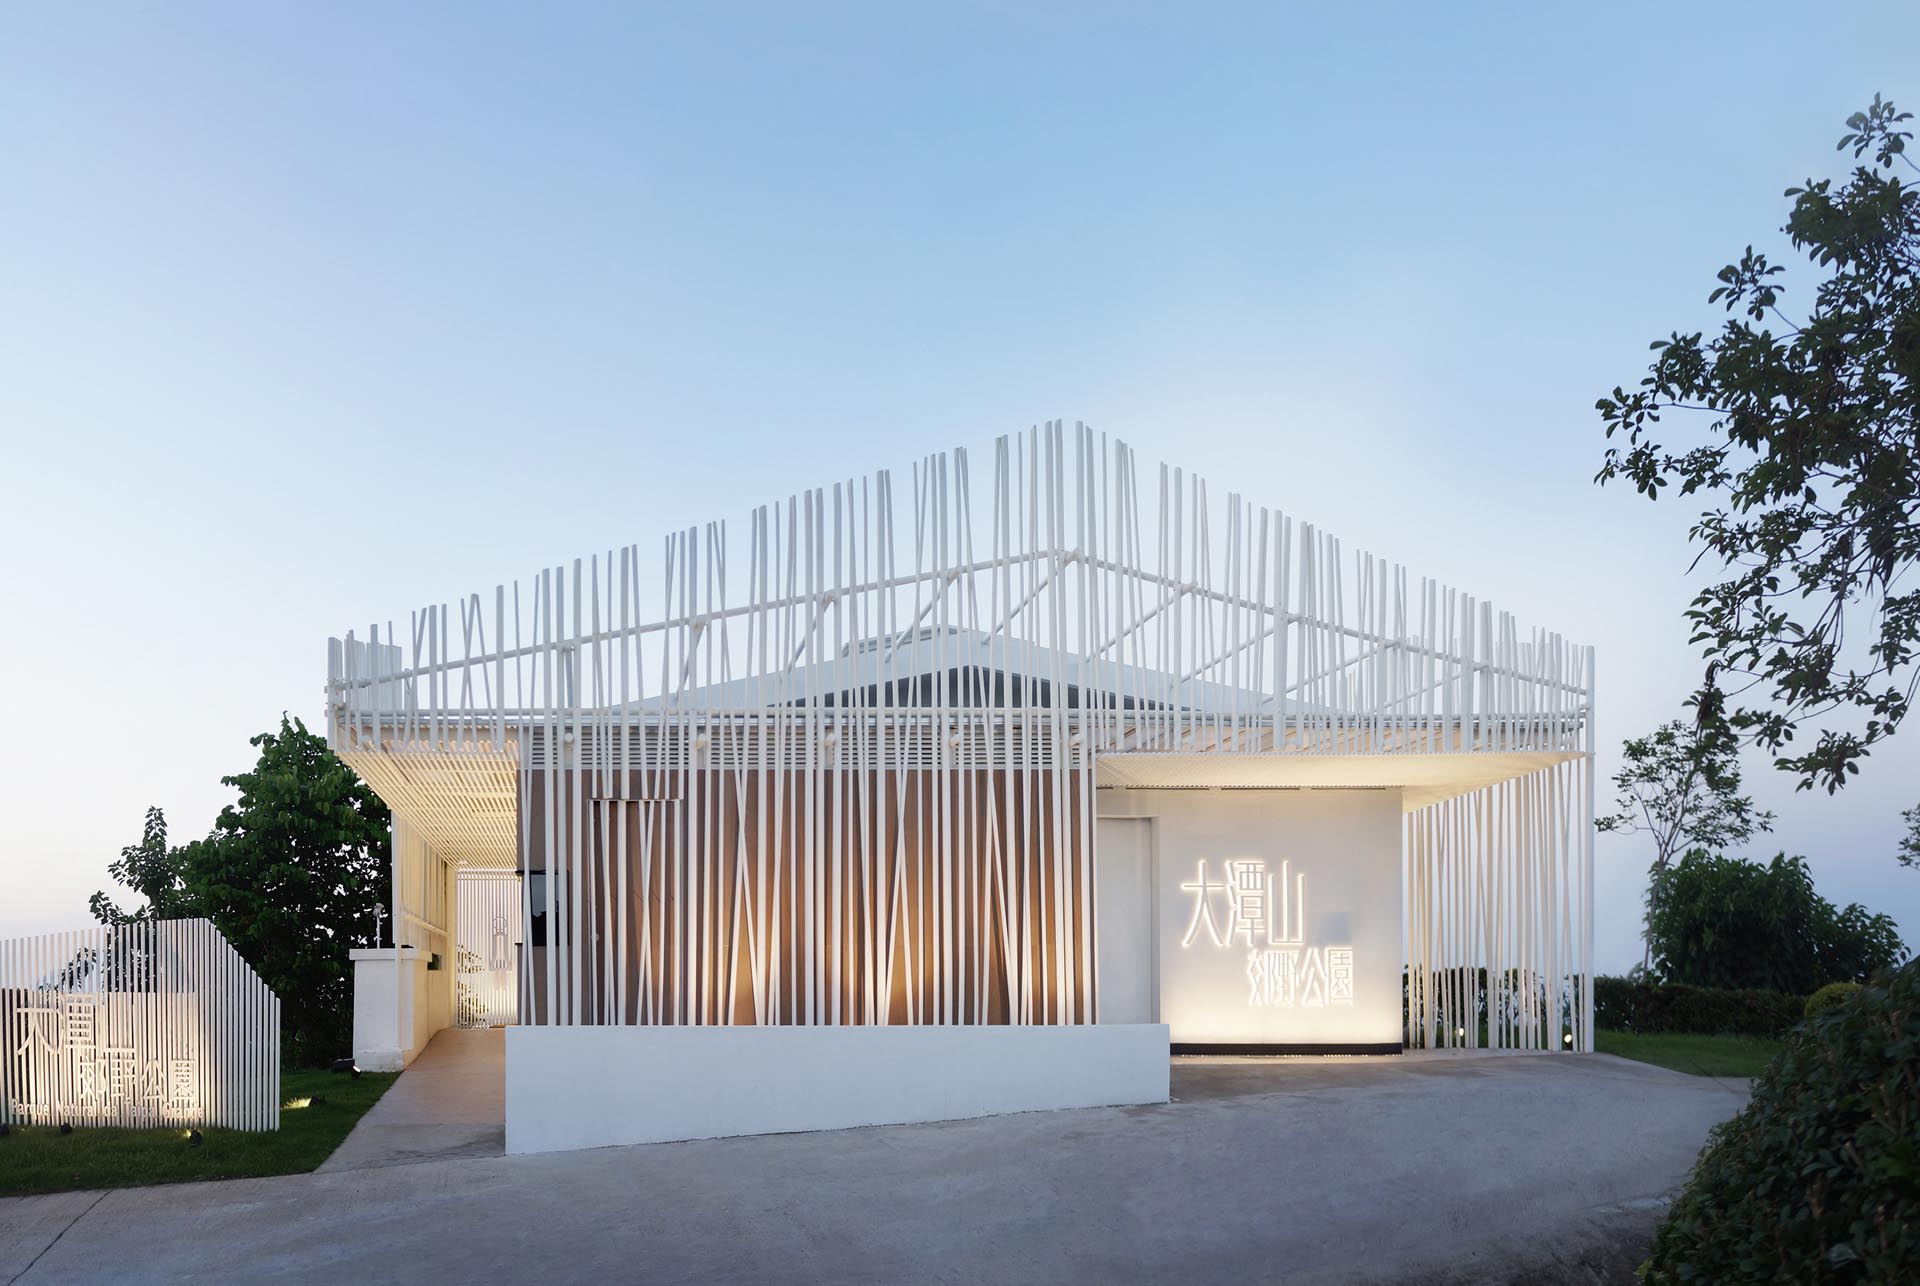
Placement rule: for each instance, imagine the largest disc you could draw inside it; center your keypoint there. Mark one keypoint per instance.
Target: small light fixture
(66, 1128)
(195, 1138)
(1567, 1039)
(1460, 1032)
(5, 1129)
(295, 1104)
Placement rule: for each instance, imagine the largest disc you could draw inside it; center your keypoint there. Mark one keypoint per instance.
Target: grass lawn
(1699, 1055)
(38, 1158)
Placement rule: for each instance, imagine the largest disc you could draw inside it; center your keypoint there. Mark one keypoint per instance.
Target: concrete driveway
(1447, 1168)
(452, 1102)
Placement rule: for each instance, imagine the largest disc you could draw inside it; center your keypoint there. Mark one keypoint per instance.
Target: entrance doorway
(487, 968)
(1127, 957)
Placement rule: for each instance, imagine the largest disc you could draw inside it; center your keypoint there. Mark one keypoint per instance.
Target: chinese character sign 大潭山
(1250, 906)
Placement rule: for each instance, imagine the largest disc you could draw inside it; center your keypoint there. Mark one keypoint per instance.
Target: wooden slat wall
(894, 897)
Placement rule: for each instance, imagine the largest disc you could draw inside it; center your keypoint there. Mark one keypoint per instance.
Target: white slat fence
(157, 1023)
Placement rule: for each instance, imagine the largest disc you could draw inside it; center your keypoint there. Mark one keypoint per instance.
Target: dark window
(536, 894)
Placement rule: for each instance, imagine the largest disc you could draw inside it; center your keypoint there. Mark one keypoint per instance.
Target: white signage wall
(155, 1023)
(1279, 915)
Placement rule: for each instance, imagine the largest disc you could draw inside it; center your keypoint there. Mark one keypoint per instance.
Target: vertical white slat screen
(156, 1023)
(489, 949)
(837, 765)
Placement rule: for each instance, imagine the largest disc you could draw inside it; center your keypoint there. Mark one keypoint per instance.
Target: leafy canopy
(1807, 457)
(152, 870)
(290, 874)
(1681, 790)
(1723, 922)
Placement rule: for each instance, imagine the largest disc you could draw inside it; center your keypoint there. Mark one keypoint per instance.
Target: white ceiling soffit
(1422, 779)
(464, 805)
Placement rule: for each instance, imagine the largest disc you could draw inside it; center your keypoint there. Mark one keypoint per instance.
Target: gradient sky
(311, 314)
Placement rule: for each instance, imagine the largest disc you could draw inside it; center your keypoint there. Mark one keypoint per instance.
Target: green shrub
(1725, 922)
(1621, 1004)
(1818, 1178)
(1834, 993)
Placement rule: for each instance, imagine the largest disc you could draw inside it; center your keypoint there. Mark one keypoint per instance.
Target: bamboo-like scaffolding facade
(839, 766)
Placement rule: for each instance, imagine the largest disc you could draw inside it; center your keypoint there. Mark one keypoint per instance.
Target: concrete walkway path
(1462, 1169)
(451, 1103)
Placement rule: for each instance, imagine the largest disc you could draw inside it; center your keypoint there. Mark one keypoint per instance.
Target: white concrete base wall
(394, 1018)
(587, 1087)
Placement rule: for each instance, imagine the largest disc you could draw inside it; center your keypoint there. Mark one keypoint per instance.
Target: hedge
(1623, 1005)
(1831, 996)
(1818, 1178)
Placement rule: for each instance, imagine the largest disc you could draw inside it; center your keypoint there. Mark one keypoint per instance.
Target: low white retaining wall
(587, 1087)
(393, 1019)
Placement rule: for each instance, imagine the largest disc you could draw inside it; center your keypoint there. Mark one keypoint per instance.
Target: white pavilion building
(985, 788)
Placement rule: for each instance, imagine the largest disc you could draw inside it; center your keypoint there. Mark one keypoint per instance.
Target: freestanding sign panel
(154, 1023)
(1279, 917)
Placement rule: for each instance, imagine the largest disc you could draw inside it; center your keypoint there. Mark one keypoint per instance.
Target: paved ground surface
(451, 1103)
(1460, 1169)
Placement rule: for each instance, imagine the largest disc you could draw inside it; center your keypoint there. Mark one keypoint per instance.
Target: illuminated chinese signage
(153, 1023)
(1254, 908)
(65, 1065)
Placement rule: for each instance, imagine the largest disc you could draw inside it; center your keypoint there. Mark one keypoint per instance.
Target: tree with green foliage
(1723, 922)
(157, 873)
(1681, 791)
(290, 874)
(1808, 457)
(1818, 1178)
(152, 870)
(1909, 851)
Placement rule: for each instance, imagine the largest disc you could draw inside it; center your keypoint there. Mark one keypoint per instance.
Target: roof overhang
(1422, 779)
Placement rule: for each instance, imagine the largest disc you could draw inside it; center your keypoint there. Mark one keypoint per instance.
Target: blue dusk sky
(311, 314)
